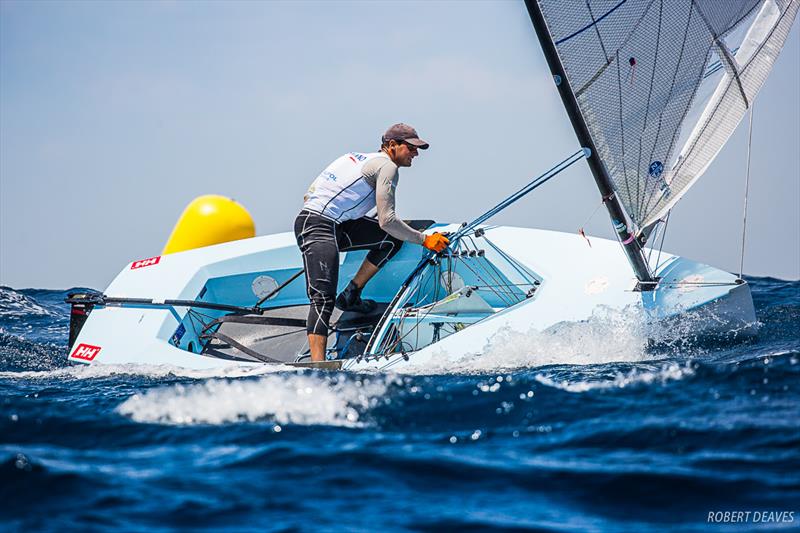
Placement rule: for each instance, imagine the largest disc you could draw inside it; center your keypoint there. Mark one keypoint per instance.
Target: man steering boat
(334, 218)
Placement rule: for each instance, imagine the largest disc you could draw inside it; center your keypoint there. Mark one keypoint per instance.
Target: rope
(580, 230)
(746, 189)
(667, 284)
(661, 245)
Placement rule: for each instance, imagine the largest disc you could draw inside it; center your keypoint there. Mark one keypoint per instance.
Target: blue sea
(542, 434)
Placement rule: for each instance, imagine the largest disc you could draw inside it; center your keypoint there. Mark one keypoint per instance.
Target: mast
(629, 244)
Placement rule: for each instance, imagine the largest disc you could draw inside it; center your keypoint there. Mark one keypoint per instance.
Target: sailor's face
(404, 154)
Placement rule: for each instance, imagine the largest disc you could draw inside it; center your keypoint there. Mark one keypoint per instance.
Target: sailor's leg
(318, 344)
(316, 237)
(366, 234)
(365, 273)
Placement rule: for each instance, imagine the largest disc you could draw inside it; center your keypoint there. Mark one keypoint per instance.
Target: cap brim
(419, 143)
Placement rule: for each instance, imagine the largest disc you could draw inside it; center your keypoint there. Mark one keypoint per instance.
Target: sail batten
(658, 86)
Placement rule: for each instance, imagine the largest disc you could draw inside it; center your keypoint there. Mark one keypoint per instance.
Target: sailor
(334, 218)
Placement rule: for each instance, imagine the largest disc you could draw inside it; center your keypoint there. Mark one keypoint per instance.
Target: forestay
(646, 78)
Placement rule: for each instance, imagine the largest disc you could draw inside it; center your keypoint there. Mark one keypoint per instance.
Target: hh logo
(146, 262)
(87, 352)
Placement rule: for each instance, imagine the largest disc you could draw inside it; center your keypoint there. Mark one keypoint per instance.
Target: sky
(115, 115)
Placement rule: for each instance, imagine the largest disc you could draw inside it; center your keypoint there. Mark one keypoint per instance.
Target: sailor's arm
(385, 184)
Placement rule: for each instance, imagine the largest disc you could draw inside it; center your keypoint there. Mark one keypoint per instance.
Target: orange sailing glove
(435, 242)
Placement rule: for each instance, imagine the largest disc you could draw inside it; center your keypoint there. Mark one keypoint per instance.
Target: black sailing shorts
(321, 239)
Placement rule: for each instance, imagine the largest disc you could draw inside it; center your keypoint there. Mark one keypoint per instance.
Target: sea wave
(538, 430)
(620, 380)
(14, 304)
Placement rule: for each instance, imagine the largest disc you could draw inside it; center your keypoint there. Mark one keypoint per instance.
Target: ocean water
(587, 430)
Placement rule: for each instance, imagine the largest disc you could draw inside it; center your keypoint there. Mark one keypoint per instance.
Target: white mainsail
(744, 76)
(638, 69)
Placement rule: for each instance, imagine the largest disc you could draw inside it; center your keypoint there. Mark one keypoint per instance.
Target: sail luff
(618, 218)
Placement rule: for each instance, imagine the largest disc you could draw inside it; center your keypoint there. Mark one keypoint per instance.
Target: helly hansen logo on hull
(87, 352)
(150, 261)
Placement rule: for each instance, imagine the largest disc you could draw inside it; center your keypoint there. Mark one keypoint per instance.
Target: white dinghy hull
(573, 282)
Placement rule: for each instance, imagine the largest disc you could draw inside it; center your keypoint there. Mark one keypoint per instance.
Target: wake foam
(99, 371)
(608, 336)
(284, 399)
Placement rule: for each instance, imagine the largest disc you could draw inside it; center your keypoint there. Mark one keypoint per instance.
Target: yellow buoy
(207, 220)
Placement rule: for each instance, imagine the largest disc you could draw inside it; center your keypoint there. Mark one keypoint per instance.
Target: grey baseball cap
(404, 132)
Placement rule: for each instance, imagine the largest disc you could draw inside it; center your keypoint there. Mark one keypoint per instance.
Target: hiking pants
(320, 240)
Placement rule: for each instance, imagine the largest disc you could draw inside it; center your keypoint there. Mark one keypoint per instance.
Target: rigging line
(503, 287)
(746, 189)
(542, 179)
(437, 280)
(204, 321)
(401, 320)
(419, 318)
(582, 226)
(661, 245)
(498, 279)
(450, 272)
(501, 281)
(513, 262)
(502, 295)
(594, 23)
(527, 284)
(582, 153)
(668, 284)
(653, 235)
(194, 321)
(406, 356)
(204, 315)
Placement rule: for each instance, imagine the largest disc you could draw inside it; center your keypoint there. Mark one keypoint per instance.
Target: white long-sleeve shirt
(353, 185)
